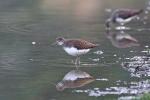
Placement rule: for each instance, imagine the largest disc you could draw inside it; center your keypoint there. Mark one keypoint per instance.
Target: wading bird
(122, 16)
(75, 47)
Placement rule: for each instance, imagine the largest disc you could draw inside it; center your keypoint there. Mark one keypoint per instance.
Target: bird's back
(79, 44)
(126, 13)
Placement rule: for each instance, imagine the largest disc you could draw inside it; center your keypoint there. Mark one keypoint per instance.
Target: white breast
(120, 20)
(75, 52)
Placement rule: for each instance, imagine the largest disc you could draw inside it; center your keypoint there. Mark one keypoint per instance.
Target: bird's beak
(54, 43)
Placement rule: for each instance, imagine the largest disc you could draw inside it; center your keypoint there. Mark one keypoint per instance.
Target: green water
(28, 72)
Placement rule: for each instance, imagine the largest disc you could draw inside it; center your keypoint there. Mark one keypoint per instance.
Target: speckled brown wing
(126, 13)
(80, 44)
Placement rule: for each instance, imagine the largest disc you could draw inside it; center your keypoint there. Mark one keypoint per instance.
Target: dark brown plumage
(122, 16)
(79, 44)
(126, 13)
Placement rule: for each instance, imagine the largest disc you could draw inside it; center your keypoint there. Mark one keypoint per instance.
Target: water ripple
(135, 88)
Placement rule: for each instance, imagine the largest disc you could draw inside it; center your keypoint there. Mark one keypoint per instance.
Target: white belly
(123, 21)
(75, 52)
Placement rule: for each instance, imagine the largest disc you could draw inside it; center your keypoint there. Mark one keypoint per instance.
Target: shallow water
(30, 66)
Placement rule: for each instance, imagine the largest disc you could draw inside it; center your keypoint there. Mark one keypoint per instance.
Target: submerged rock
(135, 88)
(138, 66)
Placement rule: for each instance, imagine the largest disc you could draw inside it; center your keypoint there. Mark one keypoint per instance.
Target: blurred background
(30, 66)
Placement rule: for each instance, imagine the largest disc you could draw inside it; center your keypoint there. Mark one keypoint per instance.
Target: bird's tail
(138, 11)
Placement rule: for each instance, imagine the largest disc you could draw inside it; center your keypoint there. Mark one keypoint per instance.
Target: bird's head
(107, 23)
(60, 41)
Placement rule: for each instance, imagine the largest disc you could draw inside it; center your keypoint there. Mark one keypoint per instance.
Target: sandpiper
(74, 79)
(75, 47)
(122, 40)
(122, 16)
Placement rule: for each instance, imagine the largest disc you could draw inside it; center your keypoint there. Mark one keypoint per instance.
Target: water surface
(30, 66)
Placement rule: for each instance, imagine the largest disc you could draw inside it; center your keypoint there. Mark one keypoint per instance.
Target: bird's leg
(122, 27)
(78, 61)
(122, 32)
(72, 61)
(122, 24)
(76, 66)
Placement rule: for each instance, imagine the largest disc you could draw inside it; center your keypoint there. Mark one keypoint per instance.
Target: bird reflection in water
(122, 40)
(74, 79)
